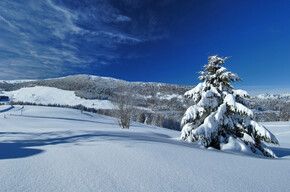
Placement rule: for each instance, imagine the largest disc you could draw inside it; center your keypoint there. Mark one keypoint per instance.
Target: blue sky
(147, 40)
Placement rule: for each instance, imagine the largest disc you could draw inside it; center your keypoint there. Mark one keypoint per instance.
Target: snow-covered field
(51, 95)
(56, 149)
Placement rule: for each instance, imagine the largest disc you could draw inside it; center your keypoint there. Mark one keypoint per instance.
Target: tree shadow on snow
(16, 150)
(281, 152)
(19, 148)
(63, 118)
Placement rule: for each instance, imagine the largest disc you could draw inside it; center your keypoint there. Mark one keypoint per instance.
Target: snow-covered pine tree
(219, 117)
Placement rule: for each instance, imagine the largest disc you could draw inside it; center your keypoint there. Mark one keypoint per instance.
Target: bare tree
(125, 108)
(158, 120)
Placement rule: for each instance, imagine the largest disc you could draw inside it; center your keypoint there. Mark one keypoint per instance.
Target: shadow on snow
(281, 152)
(62, 118)
(16, 150)
(20, 148)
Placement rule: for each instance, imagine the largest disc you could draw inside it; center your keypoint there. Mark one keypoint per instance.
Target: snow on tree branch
(220, 117)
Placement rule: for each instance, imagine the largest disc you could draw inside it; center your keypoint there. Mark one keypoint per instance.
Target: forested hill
(156, 103)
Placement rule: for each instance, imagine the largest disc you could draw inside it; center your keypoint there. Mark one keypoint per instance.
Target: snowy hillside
(271, 107)
(160, 104)
(50, 95)
(16, 81)
(285, 97)
(164, 104)
(56, 149)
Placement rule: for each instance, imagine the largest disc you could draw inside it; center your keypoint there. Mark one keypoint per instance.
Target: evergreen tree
(219, 115)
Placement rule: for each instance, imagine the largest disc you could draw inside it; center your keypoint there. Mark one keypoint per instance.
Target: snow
(236, 145)
(230, 100)
(248, 138)
(227, 117)
(207, 94)
(49, 95)
(208, 102)
(94, 77)
(57, 149)
(230, 75)
(273, 96)
(17, 81)
(209, 126)
(195, 91)
(282, 132)
(221, 70)
(262, 131)
(220, 112)
(241, 93)
(168, 97)
(4, 108)
(192, 113)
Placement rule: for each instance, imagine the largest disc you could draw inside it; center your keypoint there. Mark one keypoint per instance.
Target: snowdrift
(56, 149)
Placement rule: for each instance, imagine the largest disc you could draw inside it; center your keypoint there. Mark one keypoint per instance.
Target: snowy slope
(50, 95)
(16, 81)
(56, 149)
(273, 96)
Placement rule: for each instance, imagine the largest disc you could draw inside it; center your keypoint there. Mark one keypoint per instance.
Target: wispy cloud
(69, 19)
(7, 22)
(57, 37)
(122, 18)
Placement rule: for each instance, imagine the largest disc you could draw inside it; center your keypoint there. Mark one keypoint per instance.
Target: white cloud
(120, 38)
(41, 38)
(123, 18)
(8, 22)
(69, 22)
